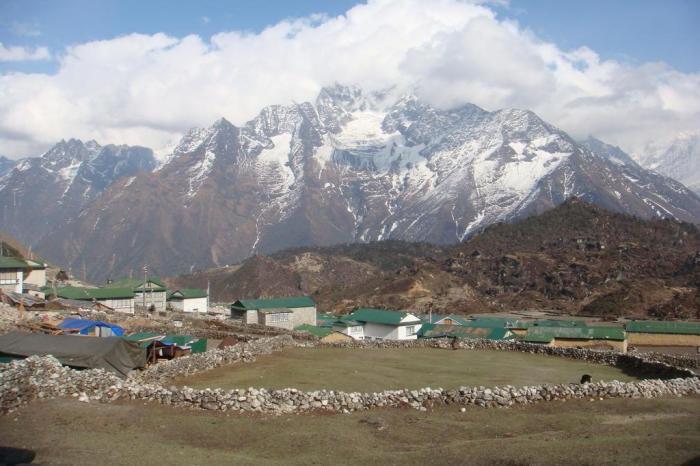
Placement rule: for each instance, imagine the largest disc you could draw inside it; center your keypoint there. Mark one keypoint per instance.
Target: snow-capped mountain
(681, 160)
(350, 167)
(6, 165)
(40, 194)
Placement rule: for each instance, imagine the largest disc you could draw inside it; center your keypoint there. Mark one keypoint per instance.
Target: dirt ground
(390, 368)
(624, 431)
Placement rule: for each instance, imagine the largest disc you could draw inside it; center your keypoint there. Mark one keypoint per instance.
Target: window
(356, 329)
(410, 330)
(8, 278)
(281, 317)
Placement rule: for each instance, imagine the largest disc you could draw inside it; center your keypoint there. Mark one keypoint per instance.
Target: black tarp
(111, 353)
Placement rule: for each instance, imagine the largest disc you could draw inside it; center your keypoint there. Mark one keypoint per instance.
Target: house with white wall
(35, 274)
(351, 328)
(287, 312)
(118, 299)
(12, 272)
(149, 294)
(382, 324)
(189, 300)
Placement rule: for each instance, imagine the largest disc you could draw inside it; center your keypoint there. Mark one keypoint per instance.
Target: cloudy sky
(142, 73)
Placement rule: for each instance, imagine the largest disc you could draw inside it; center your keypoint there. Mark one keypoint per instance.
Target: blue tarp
(84, 326)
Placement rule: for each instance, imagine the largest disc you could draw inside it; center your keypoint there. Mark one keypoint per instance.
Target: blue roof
(84, 324)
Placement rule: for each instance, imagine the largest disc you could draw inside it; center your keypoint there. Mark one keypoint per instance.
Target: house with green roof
(663, 333)
(576, 336)
(189, 300)
(383, 324)
(150, 294)
(465, 331)
(287, 312)
(352, 328)
(117, 299)
(12, 271)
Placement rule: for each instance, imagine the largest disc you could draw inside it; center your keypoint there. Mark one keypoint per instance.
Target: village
(66, 346)
(129, 306)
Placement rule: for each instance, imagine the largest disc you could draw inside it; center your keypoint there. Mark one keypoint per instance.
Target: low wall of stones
(642, 365)
(44, 377)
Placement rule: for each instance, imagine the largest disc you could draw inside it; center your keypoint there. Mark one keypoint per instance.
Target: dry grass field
(368, 370)
(622, 431)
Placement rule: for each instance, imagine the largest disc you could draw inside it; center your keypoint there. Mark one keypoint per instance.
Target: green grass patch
(370, 370)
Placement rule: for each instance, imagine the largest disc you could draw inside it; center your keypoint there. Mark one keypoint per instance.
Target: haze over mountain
(681, 160)
(349, 167)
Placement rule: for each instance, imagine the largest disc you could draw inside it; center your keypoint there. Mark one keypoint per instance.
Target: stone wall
(44, 377)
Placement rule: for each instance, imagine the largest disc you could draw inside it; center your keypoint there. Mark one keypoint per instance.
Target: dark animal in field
(585, 378)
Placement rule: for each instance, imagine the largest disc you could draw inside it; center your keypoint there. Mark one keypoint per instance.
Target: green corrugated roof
(135, 284)
(325, 320)
(583, 333)
(188, 293)
(657, 326)
(139, 336)
(313, 330)
(462, 331)
(460, 320)
(74, 292)
(289, 302)
(346, 322)
(502, 322)
(558, 323)
(198, 345)
(378, 316)
(540, 338)
(12, 263)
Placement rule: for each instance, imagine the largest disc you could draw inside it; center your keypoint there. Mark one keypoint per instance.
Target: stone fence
(44, 377)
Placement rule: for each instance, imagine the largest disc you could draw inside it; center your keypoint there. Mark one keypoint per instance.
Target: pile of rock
(44, 377)
(199, 362)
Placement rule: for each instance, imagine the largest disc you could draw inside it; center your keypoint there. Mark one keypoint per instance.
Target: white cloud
(149, 89)
(19, 53)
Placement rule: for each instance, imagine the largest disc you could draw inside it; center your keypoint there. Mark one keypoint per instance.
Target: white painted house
(380, 324)
(12, 272)
(151, 294)
(349, 327)
(190, 300)
(36, 274)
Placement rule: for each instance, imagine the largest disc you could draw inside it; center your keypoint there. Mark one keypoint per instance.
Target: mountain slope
(42, 193)
(681, 160)
(575, 258)
(350, 167)
(6, 165)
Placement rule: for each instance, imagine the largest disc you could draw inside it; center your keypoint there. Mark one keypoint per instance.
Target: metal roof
(188, 293)
(461, 331)
(380, 316)
(288, 302)
(313, 330)
(12, 263)
(656, 326)
(83, 294)
(137, 284)
(578, 333)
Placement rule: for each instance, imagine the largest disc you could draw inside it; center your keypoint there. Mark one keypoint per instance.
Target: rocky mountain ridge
(39, 194)
(350, 167)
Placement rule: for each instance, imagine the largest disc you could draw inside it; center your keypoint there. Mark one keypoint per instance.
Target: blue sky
(626, 30)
